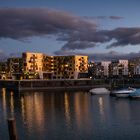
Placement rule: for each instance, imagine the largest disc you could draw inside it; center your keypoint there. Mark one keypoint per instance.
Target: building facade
(32, 65)
(15, 68)
(105, 65)
(48, 67)
(3, 70)
(38, 65)
(134, 67)
(118, 68)
(70, 67)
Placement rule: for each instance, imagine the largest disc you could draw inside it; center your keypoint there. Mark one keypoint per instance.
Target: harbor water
(69, 116)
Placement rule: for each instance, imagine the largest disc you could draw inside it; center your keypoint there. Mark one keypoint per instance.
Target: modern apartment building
(99, 69)
(105, 65)
(70, 67)
(3, 70)
(48, 67)
(14, 68)
(118, 68)
(134, 67)
(32, 64)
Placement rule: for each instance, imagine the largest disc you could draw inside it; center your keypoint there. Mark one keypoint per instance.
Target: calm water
(70, 116)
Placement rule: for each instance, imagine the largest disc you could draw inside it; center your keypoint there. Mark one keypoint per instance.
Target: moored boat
(123, 92)
(135, 94)
(98, 91)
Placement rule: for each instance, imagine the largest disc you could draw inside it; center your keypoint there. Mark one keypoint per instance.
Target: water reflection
(81, 106)
(70, 115)
(12, 104)
(101, 106)
(4, 102)
(67, 108)
(23, 111)
(32, 111)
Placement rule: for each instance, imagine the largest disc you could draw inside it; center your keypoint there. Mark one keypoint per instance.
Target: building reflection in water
(81, 106)
(4, 102)
(12, 103)
(42, 111)
(23, 110)
(67, 108)
(33, 111)
(101, 108)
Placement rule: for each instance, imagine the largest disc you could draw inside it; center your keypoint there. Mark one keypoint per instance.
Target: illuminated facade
(3, 70)
(14, 68)
(48, 67)
(70, 67)
(37, 65)
(32, 64)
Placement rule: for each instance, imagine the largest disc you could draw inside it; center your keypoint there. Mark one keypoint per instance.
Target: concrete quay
(41, 85)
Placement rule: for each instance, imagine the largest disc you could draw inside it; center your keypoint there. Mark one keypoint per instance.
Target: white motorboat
(98, 91)
(123, 92)
(135, 94)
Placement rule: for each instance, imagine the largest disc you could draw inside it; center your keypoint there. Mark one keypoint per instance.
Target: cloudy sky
(101, 29)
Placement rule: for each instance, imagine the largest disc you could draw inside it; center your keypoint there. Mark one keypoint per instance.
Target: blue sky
(116, 24)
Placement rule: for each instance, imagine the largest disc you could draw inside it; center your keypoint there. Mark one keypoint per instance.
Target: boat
(135, 94)
(98, 91)
(123, 92)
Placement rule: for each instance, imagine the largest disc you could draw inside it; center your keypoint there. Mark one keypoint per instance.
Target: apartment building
(105, 65)
(3, 70)
(48, 67)
(99, 69)
(14, 68)
(119, 68)
(70, 67)
(32, 65)
(134, 67)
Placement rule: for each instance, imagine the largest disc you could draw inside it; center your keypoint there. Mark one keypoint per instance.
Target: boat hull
(136, 94)
(123, 95)
(99, 91)
(123, 92)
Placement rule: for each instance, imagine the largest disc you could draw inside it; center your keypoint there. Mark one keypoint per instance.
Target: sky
(101, 29)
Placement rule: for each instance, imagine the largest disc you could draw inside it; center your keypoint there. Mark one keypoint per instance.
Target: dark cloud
(109, 56)
(116, 17)
(124, 36)
(65, 52)
(78, 32)
(104, 17)
(21, 23)
(77, 45)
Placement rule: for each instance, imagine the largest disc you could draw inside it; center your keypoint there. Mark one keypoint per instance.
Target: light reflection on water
(69, 115)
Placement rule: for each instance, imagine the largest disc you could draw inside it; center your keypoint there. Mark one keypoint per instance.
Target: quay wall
(26, 85)
(66, 84)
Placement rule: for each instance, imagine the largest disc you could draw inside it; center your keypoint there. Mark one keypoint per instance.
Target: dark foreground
(70, 116)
